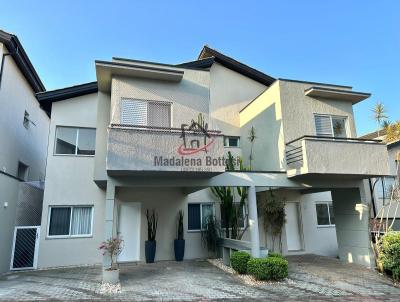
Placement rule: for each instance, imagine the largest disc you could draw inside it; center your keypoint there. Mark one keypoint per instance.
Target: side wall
(229, 93)
(25, 145)
(69, 181)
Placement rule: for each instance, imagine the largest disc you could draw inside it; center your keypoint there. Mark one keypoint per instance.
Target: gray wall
(352, 219)
(69, 181)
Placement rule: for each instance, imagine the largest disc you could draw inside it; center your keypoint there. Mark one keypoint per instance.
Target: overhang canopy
(106, 70)
(337, 94)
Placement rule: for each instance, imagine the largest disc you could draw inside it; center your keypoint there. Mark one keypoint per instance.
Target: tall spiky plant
(379, 115)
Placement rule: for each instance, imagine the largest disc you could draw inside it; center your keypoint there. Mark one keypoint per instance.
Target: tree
(392, 132)
(379, 115)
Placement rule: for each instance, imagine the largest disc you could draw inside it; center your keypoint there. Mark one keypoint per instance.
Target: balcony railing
(133, 148)
(311, 154)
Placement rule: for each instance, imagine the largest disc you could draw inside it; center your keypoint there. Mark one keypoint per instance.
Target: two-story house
(131, 141)
(23, 152)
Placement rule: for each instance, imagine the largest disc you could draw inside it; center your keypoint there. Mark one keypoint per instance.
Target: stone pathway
(311, 278)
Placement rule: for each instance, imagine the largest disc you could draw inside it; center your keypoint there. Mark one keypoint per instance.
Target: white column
(109, 218)
(253, 223)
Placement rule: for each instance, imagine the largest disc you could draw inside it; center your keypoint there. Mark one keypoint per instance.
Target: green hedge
(239, 261)
(390, 253)
(271, 268)
(276, 255)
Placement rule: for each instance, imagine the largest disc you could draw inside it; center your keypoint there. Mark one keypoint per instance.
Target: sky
(355, 43)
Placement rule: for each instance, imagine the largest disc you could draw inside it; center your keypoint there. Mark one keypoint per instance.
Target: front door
(293, 229)
(129, 231)
(25, 247)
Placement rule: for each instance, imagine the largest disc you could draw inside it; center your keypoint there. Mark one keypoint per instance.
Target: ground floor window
(197, 215)
(70, 221)
(325, 216)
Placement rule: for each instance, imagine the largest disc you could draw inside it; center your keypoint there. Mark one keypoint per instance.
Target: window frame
(331, 117)
(147, 101)
(48, 236)
(201, 215)
(327, 204)
(76, 142)
(26, 121)
(226, 141)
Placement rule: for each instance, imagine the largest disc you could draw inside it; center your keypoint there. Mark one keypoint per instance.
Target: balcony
(134, 150)
(319, 155)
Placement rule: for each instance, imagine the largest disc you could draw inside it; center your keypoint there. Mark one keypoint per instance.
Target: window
(70, 221)
(231, 141)
(26, 120)
(22, 172)
(145, 113)
(197, 215)
(75, 141)
(333, 126)
(239, 211)
(325, 215)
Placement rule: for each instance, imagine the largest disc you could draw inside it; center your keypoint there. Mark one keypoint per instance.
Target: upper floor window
(231, 141)
(325, 215)
(26, 120)
(22, 172)
(75, 141)
(330, 125)
(145, 113)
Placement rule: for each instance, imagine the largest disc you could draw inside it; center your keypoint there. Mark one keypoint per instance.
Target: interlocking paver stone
(311, 278)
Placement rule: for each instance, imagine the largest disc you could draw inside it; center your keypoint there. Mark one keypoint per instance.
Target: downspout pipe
(2, 62)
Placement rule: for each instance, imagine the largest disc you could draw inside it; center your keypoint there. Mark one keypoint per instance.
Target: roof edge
(22, 60)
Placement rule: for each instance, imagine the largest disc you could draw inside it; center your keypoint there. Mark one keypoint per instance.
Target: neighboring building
(116, 148)
(23, 136)
(382, 186)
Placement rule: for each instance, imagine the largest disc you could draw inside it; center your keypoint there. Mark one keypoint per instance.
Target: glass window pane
(86, 141)
(81, 223)
(194, 216)
(233, 142)
(59, 221)
(339, 126)
(159, 114)
(66, 140)
(322, 214)
(323, 125)
(331, 214)
(207, 211)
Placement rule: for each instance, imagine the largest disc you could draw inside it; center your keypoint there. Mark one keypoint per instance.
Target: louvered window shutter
(134, 112)
(323, 125)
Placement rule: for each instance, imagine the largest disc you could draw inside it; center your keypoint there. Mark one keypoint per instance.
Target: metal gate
(25, 247)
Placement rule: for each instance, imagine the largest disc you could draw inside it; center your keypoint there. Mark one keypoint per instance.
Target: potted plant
(111, 247)
(179, 243)
(150, 244)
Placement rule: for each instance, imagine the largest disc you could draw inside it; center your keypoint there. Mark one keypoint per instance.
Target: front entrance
(129, 230)
(293, 229)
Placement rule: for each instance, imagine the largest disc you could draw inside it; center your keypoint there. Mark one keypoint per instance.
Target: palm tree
(379, 115)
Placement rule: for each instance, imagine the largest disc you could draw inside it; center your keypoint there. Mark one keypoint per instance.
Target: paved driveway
(311, 278)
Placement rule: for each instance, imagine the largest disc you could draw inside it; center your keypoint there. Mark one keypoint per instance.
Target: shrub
(276, 255)
(239, 261)
(390, 253)
(271, 268)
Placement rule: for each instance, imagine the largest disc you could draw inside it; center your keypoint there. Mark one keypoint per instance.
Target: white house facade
(124, 144)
